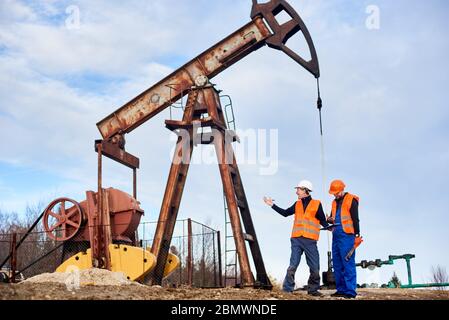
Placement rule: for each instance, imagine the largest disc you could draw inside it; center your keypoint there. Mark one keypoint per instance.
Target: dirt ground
(57, 291)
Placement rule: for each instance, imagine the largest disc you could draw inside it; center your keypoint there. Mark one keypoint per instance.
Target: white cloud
(13, 11)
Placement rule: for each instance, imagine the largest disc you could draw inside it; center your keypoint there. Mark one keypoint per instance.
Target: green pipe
(424, 285)
(407, 257)
(409, 271)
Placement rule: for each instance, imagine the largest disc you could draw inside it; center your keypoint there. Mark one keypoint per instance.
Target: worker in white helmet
(309, 215)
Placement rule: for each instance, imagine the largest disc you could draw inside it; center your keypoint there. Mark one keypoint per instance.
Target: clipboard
(330, 226)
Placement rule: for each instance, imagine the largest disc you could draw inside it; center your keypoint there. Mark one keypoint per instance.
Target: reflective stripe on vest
(345, 212)
(306, 224)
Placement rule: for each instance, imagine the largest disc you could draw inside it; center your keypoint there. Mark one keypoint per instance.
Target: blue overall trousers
(344, 271)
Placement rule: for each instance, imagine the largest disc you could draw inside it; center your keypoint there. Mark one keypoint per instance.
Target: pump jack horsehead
(108, 219)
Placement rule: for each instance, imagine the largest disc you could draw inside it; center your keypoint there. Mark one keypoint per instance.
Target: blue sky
(385, 113)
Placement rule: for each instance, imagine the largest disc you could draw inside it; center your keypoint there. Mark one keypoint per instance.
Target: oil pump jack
(202, 110)
(193, 79)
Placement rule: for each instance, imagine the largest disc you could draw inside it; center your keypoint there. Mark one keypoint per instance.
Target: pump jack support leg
(245, 268)
(172, 200)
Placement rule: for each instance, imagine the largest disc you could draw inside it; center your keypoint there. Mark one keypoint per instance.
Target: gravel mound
(94, 277)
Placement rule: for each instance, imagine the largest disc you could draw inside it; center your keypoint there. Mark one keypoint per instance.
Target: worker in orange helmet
(309, 215)
(346, 233)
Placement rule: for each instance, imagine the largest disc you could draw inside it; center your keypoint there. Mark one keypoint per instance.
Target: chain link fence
(198, 248)
(196, 245)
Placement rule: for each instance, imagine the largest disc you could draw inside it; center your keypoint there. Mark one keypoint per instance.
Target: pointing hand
(268, 201)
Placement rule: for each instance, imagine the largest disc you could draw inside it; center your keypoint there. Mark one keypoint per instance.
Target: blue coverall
(344, 271)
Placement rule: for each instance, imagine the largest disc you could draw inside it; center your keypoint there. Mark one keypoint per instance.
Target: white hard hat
(305, 184)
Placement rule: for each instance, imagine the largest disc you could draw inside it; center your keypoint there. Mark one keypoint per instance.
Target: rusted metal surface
(234, 217)
(164, 93)
(263, 29)
(99, 229)
(283, 32)
(113, 215)
(206, 100)
(66, 222)
(135, 183)
(234, 53)
(172, 196)
(105, 232)
(96, 246)
(117, 153)
(92, 221)
(124, 216)
(102, 227)
(105, 217)
(99, 180)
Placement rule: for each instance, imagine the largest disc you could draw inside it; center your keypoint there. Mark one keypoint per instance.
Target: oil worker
(309, 215)
(346, 234)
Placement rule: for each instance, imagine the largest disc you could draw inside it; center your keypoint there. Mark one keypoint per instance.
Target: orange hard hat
(337, 186)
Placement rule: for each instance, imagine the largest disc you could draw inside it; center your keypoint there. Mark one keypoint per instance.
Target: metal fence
(198, 248)
(196, 245)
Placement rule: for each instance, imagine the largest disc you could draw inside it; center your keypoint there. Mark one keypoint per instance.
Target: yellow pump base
(134, 262)
(171, 264)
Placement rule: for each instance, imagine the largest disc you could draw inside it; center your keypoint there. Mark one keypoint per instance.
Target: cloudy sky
(384, 85)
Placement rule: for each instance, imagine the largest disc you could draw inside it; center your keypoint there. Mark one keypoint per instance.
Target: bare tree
(32, 213)
(36, 245)
(12, 222)
(439, 275)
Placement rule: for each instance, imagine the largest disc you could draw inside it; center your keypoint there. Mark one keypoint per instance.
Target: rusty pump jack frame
(100, 229)
(193, 79)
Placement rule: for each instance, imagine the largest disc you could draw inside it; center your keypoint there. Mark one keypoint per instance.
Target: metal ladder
(175, 104)
(231, 258)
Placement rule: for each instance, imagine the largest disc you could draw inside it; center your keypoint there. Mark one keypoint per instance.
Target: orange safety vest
(345, 212)
(306, 224)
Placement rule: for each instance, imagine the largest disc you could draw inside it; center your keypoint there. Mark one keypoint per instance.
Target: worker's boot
(338, 295)
(315, 294)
